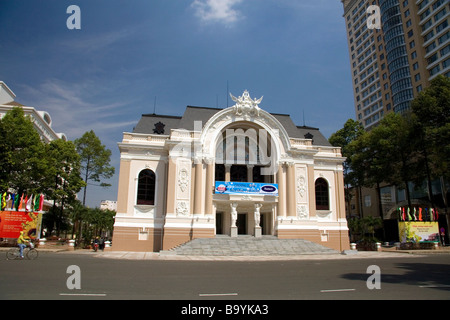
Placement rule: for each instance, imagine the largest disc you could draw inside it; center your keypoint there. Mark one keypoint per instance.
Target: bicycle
(30, 253)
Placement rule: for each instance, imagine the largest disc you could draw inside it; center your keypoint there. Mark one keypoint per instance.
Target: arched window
(322, 196)
(146, 187)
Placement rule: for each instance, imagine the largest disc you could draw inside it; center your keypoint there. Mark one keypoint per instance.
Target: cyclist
(21, 242)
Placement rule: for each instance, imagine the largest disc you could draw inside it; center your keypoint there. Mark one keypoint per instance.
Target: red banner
(12, 222)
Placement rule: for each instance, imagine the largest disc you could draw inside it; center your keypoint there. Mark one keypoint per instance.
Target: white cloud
(217, 10)
(76, 108)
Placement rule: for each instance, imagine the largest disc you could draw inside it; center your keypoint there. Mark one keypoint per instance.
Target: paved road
(408, 277)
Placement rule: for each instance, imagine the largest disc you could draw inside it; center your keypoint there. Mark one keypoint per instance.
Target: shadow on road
(429, 275)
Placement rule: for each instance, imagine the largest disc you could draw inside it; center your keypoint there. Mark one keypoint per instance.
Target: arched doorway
(244, 154)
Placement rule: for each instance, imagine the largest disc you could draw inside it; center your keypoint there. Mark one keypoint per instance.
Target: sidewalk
(126, 255)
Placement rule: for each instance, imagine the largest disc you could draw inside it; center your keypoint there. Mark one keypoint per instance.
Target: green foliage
(23, 162)
(28, 165)
(343, 138)
(95, 160)
(363, 229)
(92, 222)
(64, 166)
(409, 147)
(432, 107)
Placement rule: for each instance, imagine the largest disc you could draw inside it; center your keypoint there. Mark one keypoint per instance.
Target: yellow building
(233, 171)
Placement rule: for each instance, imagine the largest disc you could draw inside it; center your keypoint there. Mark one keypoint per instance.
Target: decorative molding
(323, 215)
(183, 179)
(302, 212)
(301, 185)
(147, 211)
(182, 208)
(245, 105)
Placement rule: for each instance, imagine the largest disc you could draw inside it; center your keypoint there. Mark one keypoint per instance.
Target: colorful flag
(431, 214)
(36, 203)
(16, 202)
(41, 202)
(420, 214)
(409, 215)
(21, 203)
(29, 202)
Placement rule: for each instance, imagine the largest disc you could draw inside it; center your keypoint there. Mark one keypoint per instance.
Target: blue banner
(222, 187)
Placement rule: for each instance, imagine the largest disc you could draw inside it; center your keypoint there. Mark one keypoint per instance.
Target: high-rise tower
(390, 66)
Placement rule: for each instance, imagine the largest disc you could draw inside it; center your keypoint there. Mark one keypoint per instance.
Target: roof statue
(245, 104)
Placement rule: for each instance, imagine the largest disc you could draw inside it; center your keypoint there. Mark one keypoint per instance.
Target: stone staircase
(248, 246)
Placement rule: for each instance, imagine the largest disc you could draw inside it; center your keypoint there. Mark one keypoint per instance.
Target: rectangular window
(367, 201)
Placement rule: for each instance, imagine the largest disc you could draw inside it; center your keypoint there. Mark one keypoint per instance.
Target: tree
(76, 213)
(95, 159)
(387, 154)
(64, 164)
(23, 164)
(432, 108)
(342, 138)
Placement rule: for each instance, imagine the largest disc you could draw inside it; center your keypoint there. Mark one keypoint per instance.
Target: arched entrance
(243, 155)
(246, 144)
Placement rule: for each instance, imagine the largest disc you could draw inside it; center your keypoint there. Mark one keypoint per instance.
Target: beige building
(390, 66)
(234, 171)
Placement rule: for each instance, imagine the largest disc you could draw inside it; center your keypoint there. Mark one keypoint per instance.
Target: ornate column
(281, 191)
(340, 195)
(311, 191)
(290, 190)
(198, 203)
(171, 182)
(209, 185)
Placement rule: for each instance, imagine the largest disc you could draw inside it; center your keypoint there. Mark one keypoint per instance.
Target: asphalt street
(51, 277)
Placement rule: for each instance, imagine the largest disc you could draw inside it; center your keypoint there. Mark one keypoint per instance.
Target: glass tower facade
(390, 66)
(396, 55)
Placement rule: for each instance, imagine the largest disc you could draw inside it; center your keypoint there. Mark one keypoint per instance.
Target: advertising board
(254, 188)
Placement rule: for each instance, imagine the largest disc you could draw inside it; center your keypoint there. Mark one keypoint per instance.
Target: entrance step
(249, 246)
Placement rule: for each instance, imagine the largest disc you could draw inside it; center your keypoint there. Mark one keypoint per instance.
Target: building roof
(162, 124)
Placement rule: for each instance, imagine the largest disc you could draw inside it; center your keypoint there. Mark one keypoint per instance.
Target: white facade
(183, 165)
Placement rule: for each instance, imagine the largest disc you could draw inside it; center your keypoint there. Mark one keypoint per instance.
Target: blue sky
(105, 75)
